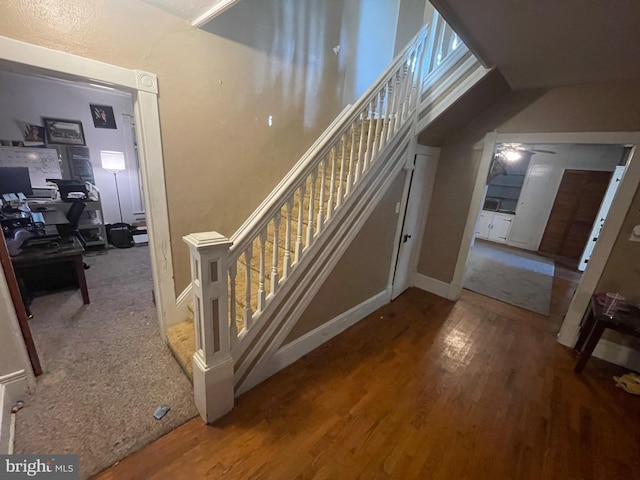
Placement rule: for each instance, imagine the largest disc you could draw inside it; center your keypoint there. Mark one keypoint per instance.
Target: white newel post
(212, 362)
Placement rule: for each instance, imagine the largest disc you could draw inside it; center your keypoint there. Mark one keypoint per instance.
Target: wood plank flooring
(422, 388)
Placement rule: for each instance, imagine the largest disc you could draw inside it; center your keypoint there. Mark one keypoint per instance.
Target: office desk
(69, 251)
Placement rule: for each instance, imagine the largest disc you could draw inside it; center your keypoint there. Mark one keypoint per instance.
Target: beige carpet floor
(106, 368)
(513, 276)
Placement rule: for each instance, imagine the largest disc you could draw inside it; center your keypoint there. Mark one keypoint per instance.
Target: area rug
(513, 276)
(106, 368)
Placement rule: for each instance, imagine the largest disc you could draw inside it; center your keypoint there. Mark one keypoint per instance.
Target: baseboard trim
(293, 351)
(618, 354)
(12, 387)
(182, 306)
(432, 285)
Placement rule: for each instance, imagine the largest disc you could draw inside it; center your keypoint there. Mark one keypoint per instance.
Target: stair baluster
(393, 93)
(261, 289)
(233, 327)
(384, 116)
(248, 312)
(361, 149)
(341, 177)
(312, 195)
(378, 128)
(301, 194)
(332, 180)
(323, 179)
(352, 152)
(276, 246)
(371, 134)
(286, 262)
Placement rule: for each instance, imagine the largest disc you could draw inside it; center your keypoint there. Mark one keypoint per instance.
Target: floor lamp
(114, 162)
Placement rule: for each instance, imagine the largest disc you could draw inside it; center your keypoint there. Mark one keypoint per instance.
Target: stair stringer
(249, 370)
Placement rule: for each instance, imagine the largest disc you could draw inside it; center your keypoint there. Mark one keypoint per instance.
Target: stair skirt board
(12, 387)
(182, 306)
(265, 340)
(296, 349)
(437, 287)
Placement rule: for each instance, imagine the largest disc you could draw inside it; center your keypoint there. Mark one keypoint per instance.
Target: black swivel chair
(73, 216)
(71, 229)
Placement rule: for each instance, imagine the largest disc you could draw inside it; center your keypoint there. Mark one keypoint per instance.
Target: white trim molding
(299, 347)
(219, 7)
(34, 59)
(432, 285)
(620, 206)
(12, 387)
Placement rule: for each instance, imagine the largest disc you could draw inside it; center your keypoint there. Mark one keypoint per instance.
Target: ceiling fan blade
(535, 150)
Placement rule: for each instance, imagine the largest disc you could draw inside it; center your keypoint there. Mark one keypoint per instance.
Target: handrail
(303, 168)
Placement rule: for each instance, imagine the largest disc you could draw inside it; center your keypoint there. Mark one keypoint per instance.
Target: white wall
(543, 179)
(28, 99)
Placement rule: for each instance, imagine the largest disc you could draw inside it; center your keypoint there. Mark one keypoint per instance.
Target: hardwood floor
(423, 388)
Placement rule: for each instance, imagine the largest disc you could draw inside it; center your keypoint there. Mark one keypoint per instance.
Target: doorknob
(405, 238)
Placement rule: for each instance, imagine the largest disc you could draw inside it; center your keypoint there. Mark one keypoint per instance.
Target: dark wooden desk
(594, 325)
(69, 250)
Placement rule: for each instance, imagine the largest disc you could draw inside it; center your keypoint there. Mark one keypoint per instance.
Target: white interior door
(601, 217)
(418, 196)
(536, 199)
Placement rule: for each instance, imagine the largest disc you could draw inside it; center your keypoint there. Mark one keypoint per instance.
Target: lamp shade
(113, 161)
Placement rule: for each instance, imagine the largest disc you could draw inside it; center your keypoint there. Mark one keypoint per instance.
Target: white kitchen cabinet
(494, 226)
(484, 224)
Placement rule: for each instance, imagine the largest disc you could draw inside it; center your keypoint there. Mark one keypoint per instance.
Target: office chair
(71, 229)
(73, 216)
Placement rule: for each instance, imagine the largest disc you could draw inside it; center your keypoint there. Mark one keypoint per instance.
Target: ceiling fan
(513, 151)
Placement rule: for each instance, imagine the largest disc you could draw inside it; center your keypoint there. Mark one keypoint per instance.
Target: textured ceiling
(542, 43)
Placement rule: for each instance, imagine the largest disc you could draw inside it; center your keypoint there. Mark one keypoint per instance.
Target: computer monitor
(15, 180)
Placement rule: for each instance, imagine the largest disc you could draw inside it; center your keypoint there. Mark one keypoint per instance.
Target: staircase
(249, 291)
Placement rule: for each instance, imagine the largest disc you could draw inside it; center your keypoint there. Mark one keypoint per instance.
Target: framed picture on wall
(103, 116)
(64, 132)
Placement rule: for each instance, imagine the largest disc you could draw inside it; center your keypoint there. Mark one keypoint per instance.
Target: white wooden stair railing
(249, 289)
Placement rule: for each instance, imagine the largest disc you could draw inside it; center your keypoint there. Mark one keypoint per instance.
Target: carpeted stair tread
(181, 339)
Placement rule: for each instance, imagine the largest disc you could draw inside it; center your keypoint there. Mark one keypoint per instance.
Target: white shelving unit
(91, 226)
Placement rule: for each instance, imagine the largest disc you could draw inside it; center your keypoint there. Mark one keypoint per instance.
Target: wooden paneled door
(573, 213)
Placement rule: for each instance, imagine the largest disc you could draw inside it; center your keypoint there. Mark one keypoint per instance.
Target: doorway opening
(543, 208)
(100, 348)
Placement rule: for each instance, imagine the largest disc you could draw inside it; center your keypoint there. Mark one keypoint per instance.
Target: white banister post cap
(206, 240)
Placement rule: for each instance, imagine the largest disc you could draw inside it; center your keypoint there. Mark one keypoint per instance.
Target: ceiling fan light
(512, 155)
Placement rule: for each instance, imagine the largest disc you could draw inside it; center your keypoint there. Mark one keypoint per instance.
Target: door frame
(416, 196)
(29, 59)
(631, 179)
(616, 178)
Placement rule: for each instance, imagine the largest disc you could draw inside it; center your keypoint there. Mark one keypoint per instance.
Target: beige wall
(583, 108)
(217, 90)
(622, 272)
(363, 270)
